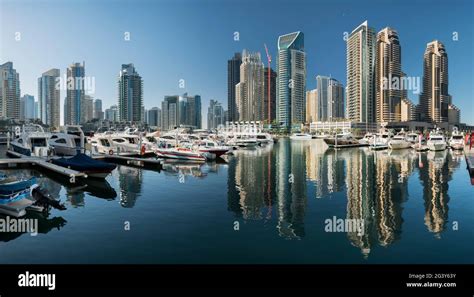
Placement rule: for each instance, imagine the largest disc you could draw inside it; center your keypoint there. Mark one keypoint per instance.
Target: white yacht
(366, 140)
(436, 141)
(32, 141)
(456, 142)
(264, 138)
(399, 141)
(107, 143)
(68, 141)
(243, 140)
(300, 136)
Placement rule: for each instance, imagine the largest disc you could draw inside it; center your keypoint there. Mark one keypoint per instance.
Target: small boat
(83, 163)
(300, 136)
(399, 141)
(366, 139)
(209, 146)
(342, 139)
(243, 140)
(412, 137)
(180, 153)
(436, 141)
(13, 194)
(264, 138)
(32, 141)
(68, 141)
(456, 142)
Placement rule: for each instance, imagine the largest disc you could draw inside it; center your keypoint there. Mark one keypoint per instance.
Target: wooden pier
(131, 161)
(469, 160)
(19, 159)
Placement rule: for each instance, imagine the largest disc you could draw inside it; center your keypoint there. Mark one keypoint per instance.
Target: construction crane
(269, 59)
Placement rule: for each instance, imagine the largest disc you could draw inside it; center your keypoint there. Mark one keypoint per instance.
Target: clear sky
(193, 39)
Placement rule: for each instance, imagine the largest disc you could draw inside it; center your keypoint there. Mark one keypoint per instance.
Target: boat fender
(111, 152)
(142, 151)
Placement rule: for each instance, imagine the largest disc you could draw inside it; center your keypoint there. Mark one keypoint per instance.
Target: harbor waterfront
(280, 203)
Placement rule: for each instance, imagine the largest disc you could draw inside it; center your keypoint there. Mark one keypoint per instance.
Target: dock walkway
(20, 159)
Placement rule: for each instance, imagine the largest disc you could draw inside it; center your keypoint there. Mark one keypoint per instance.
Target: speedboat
(456, 142)
(436, 141)
(399, 141)
(32, 141)
(342, 139)
(14, 194)
(168, 151)
(83, 163)
(300, 136)
(212, 147)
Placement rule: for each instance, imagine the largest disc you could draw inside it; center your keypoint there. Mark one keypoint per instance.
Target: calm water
(280, 196)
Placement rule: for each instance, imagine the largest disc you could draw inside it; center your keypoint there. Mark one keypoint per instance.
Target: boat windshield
(436, 138)
(458, 137)
(38, 142)
(105, 142)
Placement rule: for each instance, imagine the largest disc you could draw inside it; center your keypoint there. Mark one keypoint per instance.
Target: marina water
(266, 205)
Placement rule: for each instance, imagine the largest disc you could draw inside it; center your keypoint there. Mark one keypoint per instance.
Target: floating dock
(469, 160)
(20, 159)
(133, 161)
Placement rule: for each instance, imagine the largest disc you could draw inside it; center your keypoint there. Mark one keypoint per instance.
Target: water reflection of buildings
(437, 172)
(376, 188)
(266, 181)
(130, 182)
(324, 168)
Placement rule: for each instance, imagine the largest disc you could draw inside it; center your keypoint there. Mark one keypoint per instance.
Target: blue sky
(192, 40)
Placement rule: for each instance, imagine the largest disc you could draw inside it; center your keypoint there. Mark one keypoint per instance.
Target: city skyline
(321, 44)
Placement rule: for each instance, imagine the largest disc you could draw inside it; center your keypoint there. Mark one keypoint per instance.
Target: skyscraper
(233, 78)
(98, 113)
(169, 113)
(312, 106)
(336, 102)
(360, 74)
(154, 117)
(48, 98)
(388, 75)
(249, 91)
(291, 80)
(130, 99)
(74, 108)
(9, 91)
(88, 108)
(435, 99)
(111, 114)
(27, 107)
(322, 84)
(269, 103)
(215, 115)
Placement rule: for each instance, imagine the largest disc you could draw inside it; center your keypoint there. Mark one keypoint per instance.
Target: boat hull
(436, 146)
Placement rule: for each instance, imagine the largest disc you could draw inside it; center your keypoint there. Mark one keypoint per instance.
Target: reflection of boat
(436, 141)
(45, 225)
(456, 142)
(100, 189)
(84, 163)
(300, 136)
